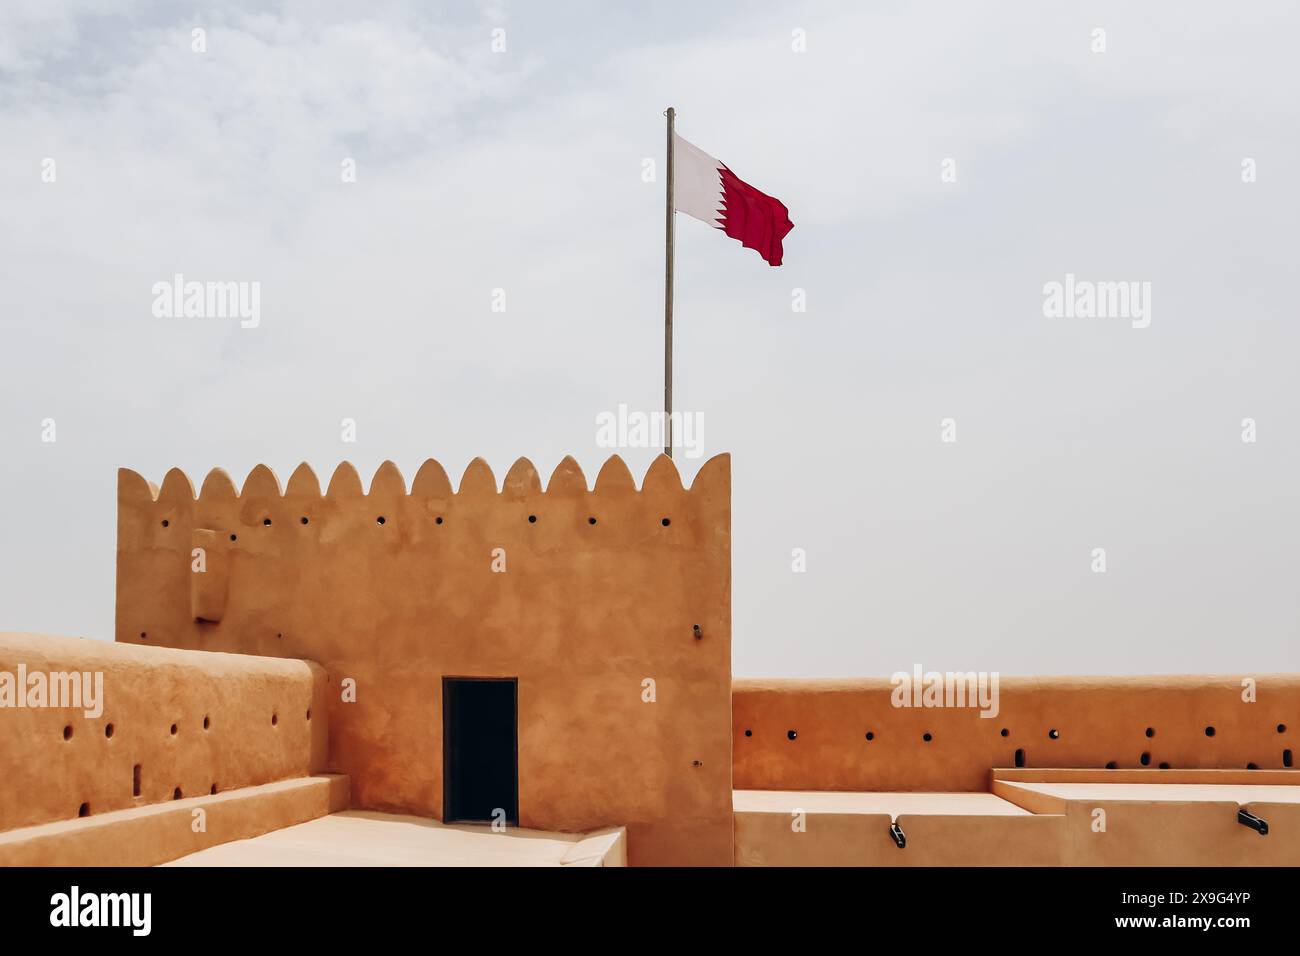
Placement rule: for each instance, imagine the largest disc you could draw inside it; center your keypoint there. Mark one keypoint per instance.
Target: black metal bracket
(899, 836)
(1248, 819)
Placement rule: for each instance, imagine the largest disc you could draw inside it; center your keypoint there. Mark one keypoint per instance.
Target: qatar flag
(709, 191)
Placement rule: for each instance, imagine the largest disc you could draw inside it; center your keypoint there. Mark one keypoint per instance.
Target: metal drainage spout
(1248, 819)
(900, 837)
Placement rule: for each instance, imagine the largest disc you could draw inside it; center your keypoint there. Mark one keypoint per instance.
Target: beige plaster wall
(582, 616)
(1170, 817)
(55, 760)
(862, 839)
(1098, 720)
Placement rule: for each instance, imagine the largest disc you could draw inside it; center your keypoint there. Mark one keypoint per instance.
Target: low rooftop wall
(144, 725)
(848, 735)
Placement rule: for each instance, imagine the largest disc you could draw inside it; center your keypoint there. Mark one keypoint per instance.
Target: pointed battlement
(431, 481)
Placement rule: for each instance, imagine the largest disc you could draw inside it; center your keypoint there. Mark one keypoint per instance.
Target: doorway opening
(480, 749)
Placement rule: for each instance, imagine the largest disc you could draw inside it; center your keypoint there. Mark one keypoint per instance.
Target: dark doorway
(480, 754)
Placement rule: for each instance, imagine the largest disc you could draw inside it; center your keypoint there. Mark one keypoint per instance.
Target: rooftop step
(157, 833)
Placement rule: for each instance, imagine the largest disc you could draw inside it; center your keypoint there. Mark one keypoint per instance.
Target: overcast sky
(522, 170)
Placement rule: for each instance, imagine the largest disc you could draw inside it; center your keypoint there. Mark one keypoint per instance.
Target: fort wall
(610, 606)
(848, 735)
(165, 725)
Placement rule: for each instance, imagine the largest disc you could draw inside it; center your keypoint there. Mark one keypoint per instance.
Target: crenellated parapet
(268, 518)
(431, 481)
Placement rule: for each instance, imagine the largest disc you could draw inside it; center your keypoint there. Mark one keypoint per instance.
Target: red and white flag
(709, 191)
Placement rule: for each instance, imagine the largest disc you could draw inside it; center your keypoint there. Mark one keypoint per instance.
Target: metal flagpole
(668, 295)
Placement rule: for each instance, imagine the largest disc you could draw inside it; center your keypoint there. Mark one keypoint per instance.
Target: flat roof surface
(1172, 792)
(843, 801)
(363, 838)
